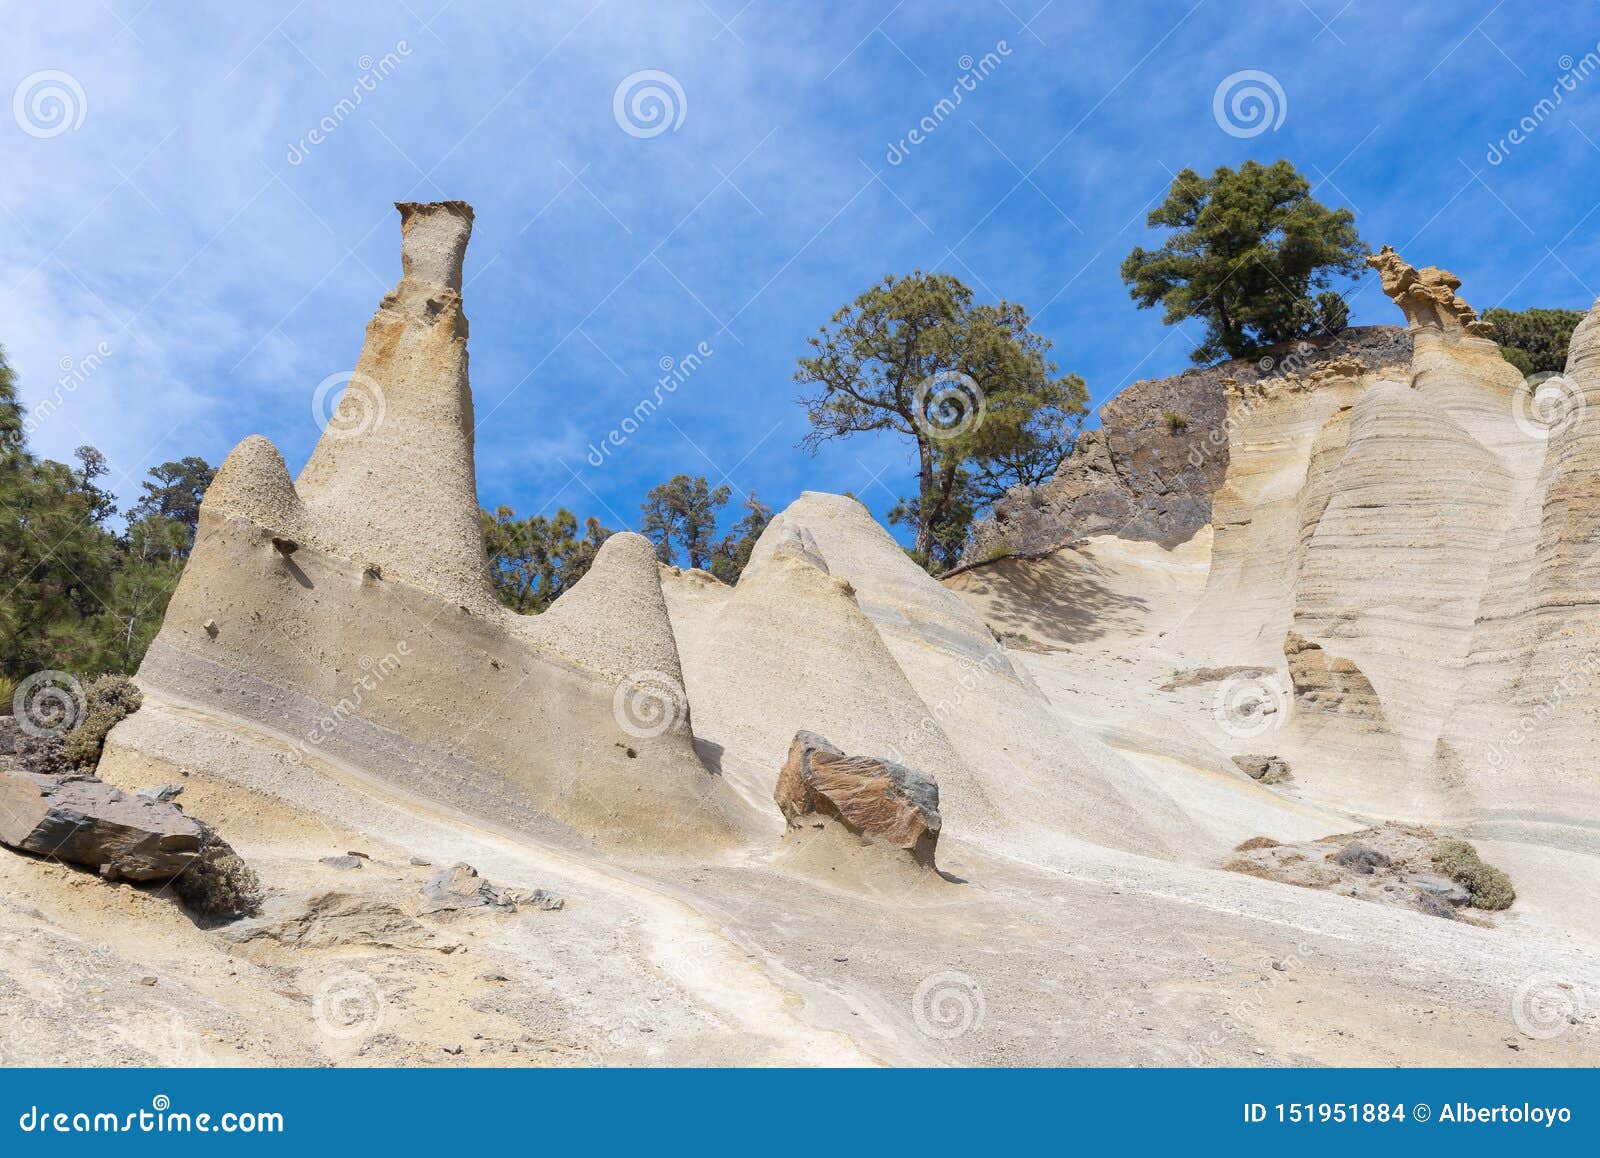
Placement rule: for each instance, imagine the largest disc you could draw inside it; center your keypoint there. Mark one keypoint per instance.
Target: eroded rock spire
(1427, 296)
(392, 478)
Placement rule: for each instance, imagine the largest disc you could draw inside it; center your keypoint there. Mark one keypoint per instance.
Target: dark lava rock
(84, 821)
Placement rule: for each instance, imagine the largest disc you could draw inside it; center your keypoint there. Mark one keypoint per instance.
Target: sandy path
(669, 937)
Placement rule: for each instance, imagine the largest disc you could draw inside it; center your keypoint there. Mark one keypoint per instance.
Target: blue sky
(178, 244)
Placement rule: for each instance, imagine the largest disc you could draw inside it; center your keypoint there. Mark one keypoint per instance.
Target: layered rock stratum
(1384, 579)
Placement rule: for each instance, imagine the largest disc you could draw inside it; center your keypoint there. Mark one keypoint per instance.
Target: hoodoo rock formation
(832, 628)
(345, 619)
(1405, 552)
(1427, 297)
(408, 405)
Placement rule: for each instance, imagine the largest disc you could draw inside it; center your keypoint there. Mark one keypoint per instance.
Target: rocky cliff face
(1145, 475)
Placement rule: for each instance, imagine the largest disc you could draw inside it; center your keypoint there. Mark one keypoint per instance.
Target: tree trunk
(127, 641)
(924, 540)
(1232, 339)
(937, 504)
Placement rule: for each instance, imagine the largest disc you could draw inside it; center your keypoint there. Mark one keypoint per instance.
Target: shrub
(110, 699)
(1176, 423)
(994, 552)
(219, 885)
(1490, 888)
(1363, 858)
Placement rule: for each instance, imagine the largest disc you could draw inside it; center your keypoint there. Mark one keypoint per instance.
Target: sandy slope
(1101, 957)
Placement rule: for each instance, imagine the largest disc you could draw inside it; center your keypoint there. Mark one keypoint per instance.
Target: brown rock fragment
(878, 800)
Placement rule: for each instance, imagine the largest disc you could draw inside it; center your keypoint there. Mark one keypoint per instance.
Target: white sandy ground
(1087, 956)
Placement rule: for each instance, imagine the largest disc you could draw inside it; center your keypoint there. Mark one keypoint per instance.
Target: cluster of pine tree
(79, 592)
(534, 560)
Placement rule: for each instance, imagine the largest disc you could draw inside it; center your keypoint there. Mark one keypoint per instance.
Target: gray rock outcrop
(1143, 475)
(83, 821)
(460, 887)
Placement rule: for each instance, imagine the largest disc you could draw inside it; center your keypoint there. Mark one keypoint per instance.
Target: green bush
(1177, 423)
(110, 699)
(1490, 888)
